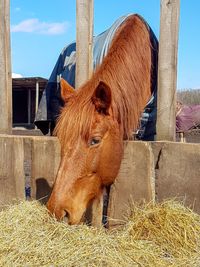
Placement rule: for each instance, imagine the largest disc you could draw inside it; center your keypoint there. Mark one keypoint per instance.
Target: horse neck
(127, 71)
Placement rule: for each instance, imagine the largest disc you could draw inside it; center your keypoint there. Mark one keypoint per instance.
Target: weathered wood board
(134, 183)
(45, 163)
(12, 182)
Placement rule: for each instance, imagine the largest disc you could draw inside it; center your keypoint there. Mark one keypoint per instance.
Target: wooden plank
(134, 183)
(84, 40)
(12, 181)
(5, 69)
(177, 167)
(45, 163)
(167, 69)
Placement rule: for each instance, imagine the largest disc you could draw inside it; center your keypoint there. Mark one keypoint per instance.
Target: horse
(98, 116)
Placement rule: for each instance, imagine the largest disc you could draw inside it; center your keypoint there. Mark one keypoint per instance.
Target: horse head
(90, 157)
(98, 116)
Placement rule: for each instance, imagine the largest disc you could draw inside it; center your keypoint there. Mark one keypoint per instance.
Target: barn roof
(28, 83)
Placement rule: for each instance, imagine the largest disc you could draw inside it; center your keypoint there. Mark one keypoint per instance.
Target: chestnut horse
(98, 117)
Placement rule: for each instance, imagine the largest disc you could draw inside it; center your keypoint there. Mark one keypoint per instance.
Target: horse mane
(127, 71)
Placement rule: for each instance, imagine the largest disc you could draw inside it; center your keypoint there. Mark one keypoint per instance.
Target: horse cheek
(110, 160)
(92, 160)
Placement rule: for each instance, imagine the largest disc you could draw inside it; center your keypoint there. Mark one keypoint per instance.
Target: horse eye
(94, 141)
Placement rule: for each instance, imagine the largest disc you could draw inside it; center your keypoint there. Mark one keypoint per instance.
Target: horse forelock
(75, 120)
(127, 71)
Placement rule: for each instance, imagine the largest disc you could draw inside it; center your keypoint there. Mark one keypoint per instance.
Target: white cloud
(40, 27)
(17, 9)
(16, 75)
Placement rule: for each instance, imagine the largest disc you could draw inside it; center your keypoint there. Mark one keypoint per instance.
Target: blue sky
(41, 28)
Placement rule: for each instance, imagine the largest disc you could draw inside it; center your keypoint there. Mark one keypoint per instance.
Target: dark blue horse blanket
(51, 102)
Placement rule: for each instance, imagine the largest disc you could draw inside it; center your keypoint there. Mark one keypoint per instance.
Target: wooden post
(29, 106)
(37, 88)
(167, 69)
(84, 39)
(182, 137)
(5, 69)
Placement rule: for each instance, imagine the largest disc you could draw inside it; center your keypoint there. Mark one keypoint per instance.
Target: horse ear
(102, 98)
(67, 90)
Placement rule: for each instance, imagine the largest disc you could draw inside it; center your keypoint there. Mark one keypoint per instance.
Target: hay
(171, 226)
(30, 237)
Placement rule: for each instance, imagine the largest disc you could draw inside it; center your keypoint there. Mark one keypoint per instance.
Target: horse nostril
(66, 216)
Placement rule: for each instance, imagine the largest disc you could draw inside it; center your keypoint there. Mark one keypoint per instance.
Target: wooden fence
(149, 171)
